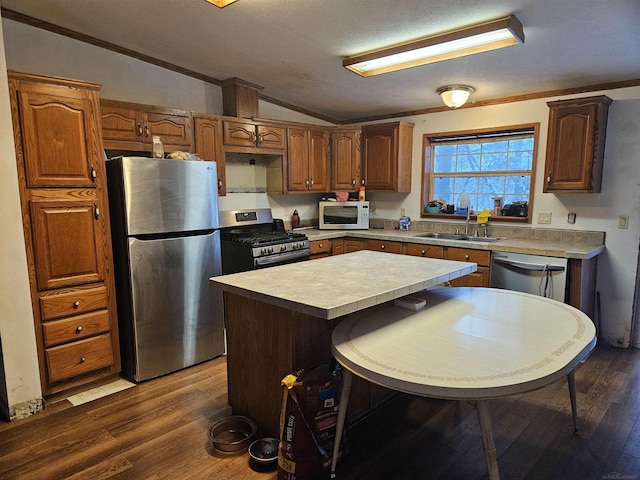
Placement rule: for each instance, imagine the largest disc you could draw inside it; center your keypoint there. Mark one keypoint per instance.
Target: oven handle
(538, 267)
(280, 257)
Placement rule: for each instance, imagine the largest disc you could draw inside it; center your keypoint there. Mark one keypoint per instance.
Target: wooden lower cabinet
(80, 357)
(384, 246)
(422, 250)
(480, 278)
(320, 248)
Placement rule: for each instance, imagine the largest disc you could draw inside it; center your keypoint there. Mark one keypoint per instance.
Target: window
(486, 164)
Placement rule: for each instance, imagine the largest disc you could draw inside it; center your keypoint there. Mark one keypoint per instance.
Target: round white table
(466, 344)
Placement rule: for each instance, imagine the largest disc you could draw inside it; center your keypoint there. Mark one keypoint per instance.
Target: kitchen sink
(459, 236)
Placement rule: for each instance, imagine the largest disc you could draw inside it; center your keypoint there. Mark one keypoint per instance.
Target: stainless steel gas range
(252, 239)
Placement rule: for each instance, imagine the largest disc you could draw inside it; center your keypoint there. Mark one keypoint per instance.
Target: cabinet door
(121, 122)
(379, 145)
(57, 134)
(318, 145)
(297, 160)
(173, 127)
(345, 160)
(575, 145)
(271, 137)
(239, 134)
(69, 240)
(208, 145)
(386, 156)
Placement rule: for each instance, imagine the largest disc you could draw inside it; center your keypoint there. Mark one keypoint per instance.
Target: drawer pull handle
(139, 130)
(83, 359)
(76, 304)
(79, 329)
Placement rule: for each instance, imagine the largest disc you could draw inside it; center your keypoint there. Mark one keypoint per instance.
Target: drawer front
(481, 257)
(320, 246)
(79, 357)
(76, 327)
(73, 302)
(430, 251)
(384, 246)
(481, 278)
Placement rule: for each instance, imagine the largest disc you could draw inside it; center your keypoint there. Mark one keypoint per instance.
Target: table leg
(571, 378)
(342, 413)
(487, 439)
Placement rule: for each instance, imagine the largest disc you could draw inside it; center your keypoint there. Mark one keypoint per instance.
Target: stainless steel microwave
(343, 215)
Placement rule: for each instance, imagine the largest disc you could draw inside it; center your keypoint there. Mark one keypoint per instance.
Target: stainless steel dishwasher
(536, 274)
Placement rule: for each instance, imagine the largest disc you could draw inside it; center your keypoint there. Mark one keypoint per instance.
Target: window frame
(428, 175)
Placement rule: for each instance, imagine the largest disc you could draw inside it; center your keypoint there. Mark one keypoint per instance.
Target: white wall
(37, 51)
(17, 335)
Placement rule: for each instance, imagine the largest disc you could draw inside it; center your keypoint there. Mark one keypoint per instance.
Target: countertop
(338, 285)
(549, 248)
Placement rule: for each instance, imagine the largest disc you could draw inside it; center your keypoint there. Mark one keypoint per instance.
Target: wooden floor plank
(158, 430)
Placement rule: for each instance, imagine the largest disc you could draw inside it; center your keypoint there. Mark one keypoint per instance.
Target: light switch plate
(623, 221)
(544, 217)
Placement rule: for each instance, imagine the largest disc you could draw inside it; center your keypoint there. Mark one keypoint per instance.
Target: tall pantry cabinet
(65, 216)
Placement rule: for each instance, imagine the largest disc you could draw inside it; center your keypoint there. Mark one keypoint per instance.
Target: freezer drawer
(176, 317)
(536, 274)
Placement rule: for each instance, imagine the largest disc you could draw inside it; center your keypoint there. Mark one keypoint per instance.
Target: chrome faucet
(482, 225)
(466, 225)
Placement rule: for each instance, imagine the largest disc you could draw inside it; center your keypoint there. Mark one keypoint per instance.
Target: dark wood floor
(158, 430)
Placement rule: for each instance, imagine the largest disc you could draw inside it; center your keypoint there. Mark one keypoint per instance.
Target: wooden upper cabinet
(575, 145)
(131, 126)
(208, 145)
(69, 243)
(252, 137)
(386, 156)
(57, 132)
(345, 159)
(307, 151)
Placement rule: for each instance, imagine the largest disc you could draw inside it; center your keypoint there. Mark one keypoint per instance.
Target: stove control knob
(270, 249)
(283, 248)
(263, 251)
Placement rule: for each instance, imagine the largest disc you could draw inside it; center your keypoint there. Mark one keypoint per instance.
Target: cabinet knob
(79, 329)
(312, 182)
(83, 359)
(549, 177)
(93, 173)
(140, 131)
(146, 130)
(76, 304)
(353, 181)
(219, 183)
(422, 252)
(319, 245)
(466, 257)
(382, 247)
(96, 211)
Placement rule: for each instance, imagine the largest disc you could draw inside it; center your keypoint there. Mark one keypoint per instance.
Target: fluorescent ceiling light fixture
(455, 96)
(221, 3)
(482, 37)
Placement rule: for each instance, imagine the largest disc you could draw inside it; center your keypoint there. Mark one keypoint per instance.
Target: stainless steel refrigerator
(164, 217)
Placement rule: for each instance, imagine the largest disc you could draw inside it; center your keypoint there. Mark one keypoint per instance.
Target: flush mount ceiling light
(455, 96)
(221, 3)
(481, 37)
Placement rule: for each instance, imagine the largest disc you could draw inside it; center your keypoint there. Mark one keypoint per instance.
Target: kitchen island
(280, 320)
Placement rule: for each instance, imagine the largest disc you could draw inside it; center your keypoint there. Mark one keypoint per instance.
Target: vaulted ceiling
(294, 48)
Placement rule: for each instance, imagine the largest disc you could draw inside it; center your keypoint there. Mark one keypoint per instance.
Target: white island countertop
(338, 285)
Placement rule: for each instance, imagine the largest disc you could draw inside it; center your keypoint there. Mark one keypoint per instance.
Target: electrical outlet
(544, 217)
(623, 221)
(402, 212)
(571, 218)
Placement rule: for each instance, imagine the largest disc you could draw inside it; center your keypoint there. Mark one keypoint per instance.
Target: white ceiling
(294, 48)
